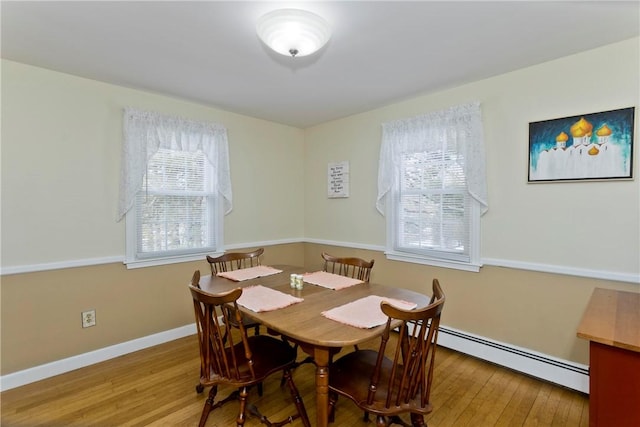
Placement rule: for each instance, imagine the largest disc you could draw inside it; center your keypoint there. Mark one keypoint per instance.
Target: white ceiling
(380, 52)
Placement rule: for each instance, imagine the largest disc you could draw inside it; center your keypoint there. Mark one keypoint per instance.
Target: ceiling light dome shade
(293, 32)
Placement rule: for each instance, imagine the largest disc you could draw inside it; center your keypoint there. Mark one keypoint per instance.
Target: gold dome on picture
(581, 128)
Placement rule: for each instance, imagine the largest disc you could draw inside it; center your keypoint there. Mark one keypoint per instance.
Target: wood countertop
(612, 318)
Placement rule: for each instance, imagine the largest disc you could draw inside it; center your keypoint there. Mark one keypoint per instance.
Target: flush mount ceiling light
(293, 32)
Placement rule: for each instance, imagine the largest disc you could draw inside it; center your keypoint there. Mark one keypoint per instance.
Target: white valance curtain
(147, 132)
(458, 128)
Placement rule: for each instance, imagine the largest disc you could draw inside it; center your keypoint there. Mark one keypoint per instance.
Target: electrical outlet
(88, 318)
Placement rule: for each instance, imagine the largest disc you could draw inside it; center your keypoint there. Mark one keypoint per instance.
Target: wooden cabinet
(611, 323)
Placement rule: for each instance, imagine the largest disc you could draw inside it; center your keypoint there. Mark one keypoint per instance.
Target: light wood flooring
(156, 386)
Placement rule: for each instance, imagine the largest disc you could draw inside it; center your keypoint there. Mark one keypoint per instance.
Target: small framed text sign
(338, 180)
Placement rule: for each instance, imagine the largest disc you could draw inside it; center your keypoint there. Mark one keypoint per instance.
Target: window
(432, 189)
(176, 211)
(172, 195)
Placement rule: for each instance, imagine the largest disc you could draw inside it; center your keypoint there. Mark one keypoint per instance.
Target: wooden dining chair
(238, 362)
(235, 261)
(393, 380)
(355, 268)
(195, 282)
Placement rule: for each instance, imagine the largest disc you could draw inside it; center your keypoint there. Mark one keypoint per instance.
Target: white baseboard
(58, 367)
(558, 371)
(562, 372)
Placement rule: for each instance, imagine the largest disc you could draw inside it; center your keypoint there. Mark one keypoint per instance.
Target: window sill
(417, 259)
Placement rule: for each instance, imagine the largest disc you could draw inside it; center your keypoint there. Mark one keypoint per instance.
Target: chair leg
(307, 359)
(333, 399)
(417, 420)
(253, 410)
(208, 405)
(395, 419)
(243, 404)
(381, 421)
(302, 412)
(297, 400)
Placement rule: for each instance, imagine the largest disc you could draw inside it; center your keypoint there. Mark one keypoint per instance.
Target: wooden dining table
(304, 323)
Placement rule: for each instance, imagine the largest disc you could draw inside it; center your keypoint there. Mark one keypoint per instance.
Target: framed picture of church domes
(596, 146)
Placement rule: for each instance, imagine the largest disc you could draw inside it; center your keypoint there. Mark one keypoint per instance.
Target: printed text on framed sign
(338, 180)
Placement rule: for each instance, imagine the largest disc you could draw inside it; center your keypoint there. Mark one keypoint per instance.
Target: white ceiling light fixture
(293, 32)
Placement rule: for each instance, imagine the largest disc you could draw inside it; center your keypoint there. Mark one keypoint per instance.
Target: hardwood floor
(156, 387)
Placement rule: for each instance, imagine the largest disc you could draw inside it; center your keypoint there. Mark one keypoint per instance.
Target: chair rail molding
(495, 262)
(88, 262)
(518, 265)
(60, 265)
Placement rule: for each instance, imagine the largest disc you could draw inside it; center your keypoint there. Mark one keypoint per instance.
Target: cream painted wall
(60, 160)
(61, 139)
(591, 228)
(582, 225)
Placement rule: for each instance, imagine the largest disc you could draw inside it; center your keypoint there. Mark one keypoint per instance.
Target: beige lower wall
(41, 312)
(534, 310)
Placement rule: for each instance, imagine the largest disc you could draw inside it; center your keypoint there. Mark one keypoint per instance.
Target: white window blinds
(176, 211)
(433, 206)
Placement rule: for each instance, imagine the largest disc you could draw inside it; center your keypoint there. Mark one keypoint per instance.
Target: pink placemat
(365, 312)
(249, 273)
(330, 280)
(260, 298)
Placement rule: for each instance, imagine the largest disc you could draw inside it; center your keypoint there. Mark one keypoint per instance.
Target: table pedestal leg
(321, 357)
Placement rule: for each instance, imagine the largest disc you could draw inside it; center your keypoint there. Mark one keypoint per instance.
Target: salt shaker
(299, 281)
(293, 281)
